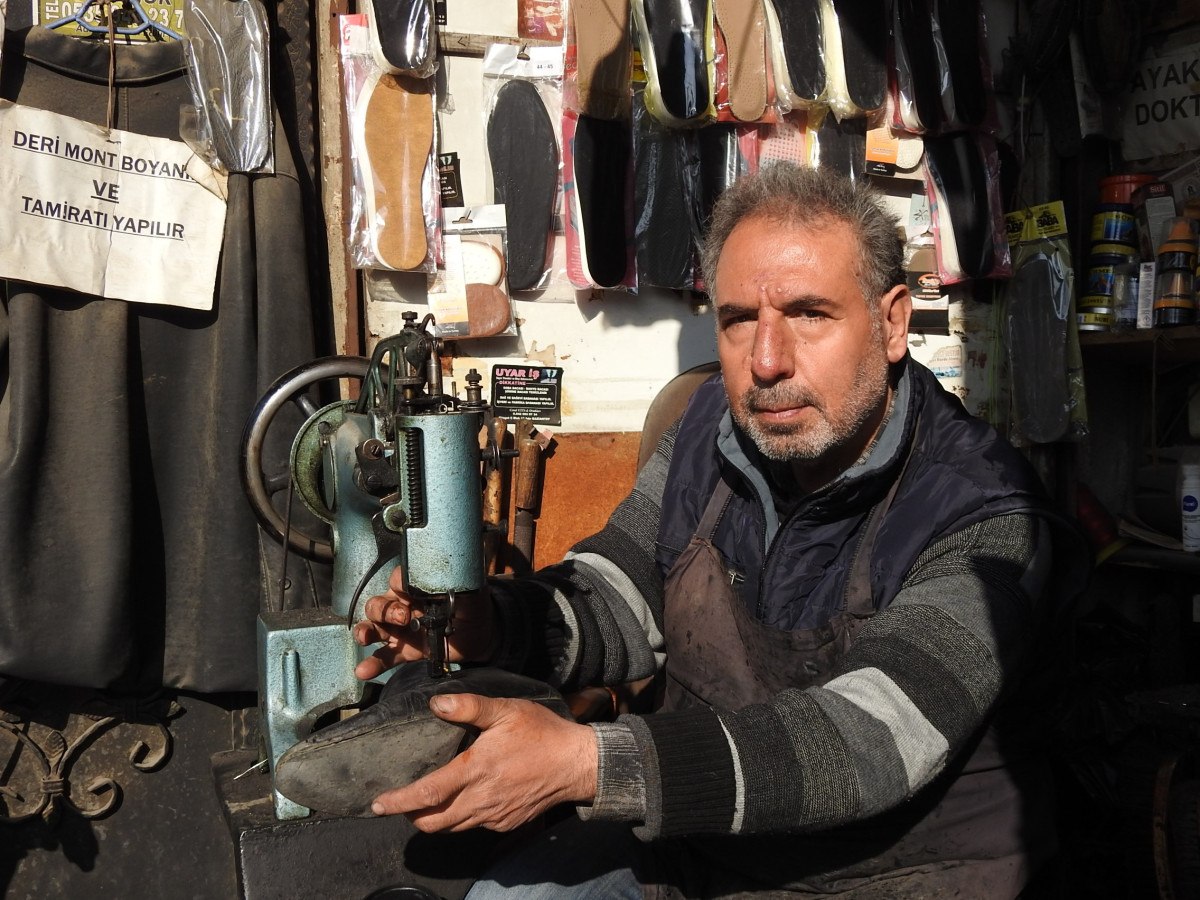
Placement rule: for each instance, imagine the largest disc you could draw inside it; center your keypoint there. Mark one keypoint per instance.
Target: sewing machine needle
(257, 765)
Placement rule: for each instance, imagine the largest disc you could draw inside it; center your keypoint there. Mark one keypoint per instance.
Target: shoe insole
(964, 209)
(488, 309)
(801, 36)
(958, 25)
(743, 23)
(601, 157)
(921, 76)
(719, 168)
(603, 56)
(227, 52)
(402, 33)
(842, 146)
(1038, 305)
(674, 51)
(524, 158)
(863, 29)
(665, 170)
(393, 127)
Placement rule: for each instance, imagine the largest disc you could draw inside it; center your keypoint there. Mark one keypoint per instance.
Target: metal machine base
(306, 669)
(348, 858)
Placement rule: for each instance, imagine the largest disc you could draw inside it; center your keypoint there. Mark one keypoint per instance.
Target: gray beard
(787, 443)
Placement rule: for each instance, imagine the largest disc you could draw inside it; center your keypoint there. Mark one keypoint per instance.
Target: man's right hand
(389, 619)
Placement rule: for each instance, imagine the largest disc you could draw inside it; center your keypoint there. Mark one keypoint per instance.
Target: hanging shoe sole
(393, 136)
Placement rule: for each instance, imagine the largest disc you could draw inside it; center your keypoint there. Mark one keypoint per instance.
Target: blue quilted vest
(958, 473)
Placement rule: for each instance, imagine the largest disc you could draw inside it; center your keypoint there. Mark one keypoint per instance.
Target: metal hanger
(142, 22)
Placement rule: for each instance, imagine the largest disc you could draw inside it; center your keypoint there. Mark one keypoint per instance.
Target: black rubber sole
(524, 158)
(341, 769)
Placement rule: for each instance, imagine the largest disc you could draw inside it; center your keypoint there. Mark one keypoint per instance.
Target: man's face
(804, 355)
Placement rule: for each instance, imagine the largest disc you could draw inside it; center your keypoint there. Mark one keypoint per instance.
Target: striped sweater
(921, 680)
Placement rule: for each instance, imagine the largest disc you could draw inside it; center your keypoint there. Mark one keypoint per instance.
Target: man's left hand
(525, 760)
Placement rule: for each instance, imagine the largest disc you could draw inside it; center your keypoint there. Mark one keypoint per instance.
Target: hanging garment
(129, 557)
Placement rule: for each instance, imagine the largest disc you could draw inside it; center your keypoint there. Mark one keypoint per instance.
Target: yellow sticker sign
(1036, 222)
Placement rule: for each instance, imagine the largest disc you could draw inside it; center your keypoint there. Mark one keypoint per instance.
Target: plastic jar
(1120, 188)
(1095, 318)
(1114, 223)
(1125, 296)
(1102, 266)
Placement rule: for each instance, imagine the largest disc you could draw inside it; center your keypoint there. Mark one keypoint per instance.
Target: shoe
(341, 769)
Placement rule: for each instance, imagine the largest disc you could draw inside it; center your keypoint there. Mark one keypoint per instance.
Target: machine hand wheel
(292, 387)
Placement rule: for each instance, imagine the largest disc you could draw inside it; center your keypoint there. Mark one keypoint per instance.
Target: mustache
(757, 399)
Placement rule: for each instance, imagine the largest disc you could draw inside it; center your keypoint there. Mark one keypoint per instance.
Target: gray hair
(798, 196)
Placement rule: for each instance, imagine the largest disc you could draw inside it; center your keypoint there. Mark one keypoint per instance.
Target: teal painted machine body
(397, 477)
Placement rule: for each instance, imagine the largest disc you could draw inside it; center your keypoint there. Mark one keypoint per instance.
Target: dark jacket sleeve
(923, 677)
(596, 617)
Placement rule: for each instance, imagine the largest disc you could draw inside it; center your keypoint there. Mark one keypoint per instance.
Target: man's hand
(390, 618)
(526, 760)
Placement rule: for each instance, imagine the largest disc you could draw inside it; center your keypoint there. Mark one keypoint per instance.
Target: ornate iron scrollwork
(37, 779)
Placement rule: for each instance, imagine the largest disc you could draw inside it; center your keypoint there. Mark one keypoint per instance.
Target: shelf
(476, 44)
(1145, 556)
(1170, 346)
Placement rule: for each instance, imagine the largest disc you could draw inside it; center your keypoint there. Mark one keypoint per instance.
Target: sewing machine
(396, 474)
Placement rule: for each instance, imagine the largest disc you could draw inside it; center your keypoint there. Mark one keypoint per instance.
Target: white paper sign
(109, 213)
(1162, 105)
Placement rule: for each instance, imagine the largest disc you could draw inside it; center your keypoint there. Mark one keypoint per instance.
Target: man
(845, 580)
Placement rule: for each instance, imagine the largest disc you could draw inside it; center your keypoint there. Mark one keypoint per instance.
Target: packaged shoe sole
(403, 38)
(392, 134)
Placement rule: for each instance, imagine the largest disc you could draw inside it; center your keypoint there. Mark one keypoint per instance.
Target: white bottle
(1189, 505)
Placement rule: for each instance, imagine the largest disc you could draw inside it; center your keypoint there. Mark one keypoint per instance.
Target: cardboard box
(1153, 207)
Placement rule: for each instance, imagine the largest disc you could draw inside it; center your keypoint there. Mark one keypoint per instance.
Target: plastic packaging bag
(854, 40)
(467, 296)
(395, 197)
(962, 181)
(744, 81)
(943, 81)
(228, 69)
(522, 101)
(1045, 363)
(677, 47)
(403, 36)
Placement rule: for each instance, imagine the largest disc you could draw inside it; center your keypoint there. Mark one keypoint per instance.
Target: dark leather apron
(959, 837)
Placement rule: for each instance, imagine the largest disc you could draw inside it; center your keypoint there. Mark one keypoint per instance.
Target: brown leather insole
(398, 133)
(743, 22)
